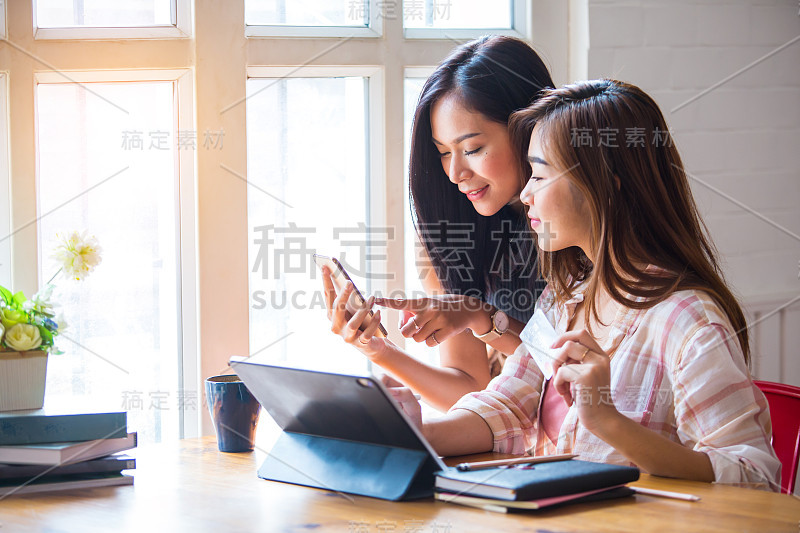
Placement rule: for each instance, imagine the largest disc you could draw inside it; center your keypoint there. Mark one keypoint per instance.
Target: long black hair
(493, 76)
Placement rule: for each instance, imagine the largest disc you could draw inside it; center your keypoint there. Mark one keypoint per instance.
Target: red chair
(784, 407)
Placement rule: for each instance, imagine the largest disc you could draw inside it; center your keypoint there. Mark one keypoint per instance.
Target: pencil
(466, 467)
(667, 494)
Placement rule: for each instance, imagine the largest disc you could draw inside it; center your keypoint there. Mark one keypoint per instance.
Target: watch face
(501, 321)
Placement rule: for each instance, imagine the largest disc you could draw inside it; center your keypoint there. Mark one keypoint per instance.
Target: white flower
(2, 330)
(61, 320)
(78, 254)
(23, 337)
(41, 301)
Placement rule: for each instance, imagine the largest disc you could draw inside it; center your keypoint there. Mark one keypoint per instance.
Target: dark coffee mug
(234, 412)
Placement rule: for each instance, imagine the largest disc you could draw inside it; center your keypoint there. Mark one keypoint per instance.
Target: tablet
(341, 432)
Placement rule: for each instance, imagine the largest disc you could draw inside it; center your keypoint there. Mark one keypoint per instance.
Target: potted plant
(28, 327)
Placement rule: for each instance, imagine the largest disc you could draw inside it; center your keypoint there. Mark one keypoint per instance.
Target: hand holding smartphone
(340, 279)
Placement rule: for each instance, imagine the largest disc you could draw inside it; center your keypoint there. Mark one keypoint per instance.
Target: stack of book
(533, 486)
(43, 450)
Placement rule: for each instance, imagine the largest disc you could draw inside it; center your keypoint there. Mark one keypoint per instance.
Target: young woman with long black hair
(465, 178)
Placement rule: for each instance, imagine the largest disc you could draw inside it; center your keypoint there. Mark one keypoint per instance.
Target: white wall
(742, 138)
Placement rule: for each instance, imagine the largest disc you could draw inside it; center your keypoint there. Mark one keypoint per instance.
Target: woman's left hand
(582, 376)
(409, 403)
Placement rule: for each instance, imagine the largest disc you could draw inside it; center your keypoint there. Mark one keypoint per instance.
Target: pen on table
(479, 465)
(667, 494)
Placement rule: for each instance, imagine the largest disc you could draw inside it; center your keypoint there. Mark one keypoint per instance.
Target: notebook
(505, 506)
(543, 480)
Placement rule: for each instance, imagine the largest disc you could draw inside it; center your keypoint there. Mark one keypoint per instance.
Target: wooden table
(190, 486)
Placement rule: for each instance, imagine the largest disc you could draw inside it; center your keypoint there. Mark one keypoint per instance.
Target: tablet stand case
(379, 471)
(340, 433)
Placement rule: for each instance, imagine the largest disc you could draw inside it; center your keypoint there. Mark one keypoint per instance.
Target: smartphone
(340, 278)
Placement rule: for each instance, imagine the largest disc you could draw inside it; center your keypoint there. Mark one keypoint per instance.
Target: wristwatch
(499, 326)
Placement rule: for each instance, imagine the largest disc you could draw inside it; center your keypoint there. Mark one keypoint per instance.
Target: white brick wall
(743, 138)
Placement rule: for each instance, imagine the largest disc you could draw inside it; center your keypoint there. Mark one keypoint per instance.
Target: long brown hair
(641, 205)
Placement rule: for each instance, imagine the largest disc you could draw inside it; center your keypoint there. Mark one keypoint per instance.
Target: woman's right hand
(435, 319)
(359, 329)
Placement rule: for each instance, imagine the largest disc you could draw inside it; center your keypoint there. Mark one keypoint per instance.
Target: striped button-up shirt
(677, 369)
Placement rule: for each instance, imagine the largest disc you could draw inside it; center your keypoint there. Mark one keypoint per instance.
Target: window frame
(418, 72)
(181, 28)
(376, 146)
(6, 263)
(373, 29)
(520, 27)
(215, 229)
(3, 17)
(185, 201)
(520, 15)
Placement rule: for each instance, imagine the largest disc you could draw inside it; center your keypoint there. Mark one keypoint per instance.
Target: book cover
(65, 452)
(79, 481)
(110, 463)
(543, 480)
(504, 506)
(53, 424)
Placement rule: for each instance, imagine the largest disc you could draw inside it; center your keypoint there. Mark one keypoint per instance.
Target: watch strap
(493, 333)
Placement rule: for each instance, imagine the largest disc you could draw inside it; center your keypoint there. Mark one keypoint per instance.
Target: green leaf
(6, 294)
(19, 298)
(47, 337)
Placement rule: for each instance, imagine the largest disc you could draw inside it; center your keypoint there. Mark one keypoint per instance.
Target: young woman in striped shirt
(651, 361)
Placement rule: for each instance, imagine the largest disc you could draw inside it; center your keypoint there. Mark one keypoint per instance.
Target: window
(309, 13)
(3, 29)
(96, 19)
(313, 18)
(281, 134)
(461, 14)
(301, 153)
(111, 152)
(5, 191)
(308, 192)
(99, 143)
(463, 19)
(414, 80)
(423, 19)
(59, 14)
